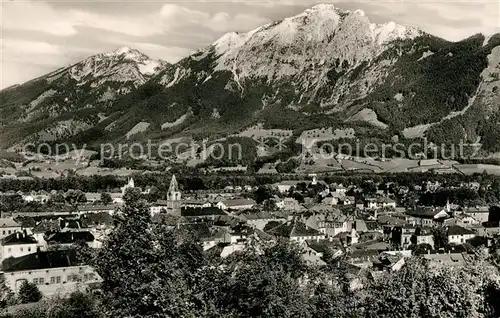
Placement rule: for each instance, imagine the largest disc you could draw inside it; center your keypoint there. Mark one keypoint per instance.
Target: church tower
(174, 197)
(130, 184)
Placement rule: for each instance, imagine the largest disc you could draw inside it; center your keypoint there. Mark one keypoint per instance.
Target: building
(160, 206)
(41, 197)
(97, 208)
(45, 227)
(196, 204)
(17, 244)
(8, 226)
(68, 239)
(297, 232)
(201, 213)
(427, 217)
(236, 204)
(291, 204)
(174, 197)
(380, 203)
(238, 168)
(405, 236)
(54, 272)
(286, 185)
(481, 214)
(260, 219)
(130, 184)
(447, 260)
(462, 220)
(459, 235)
(329, 224)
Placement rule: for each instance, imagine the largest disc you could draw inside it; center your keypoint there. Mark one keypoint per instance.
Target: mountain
(72, 99)
(325, 67)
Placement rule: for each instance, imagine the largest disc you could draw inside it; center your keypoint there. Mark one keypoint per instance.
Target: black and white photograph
(249, 158)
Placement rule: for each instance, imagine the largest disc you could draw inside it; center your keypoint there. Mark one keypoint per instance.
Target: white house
(481, 214)
(17, 244)
(195, 204)
(235, 204)
(54, 272)
(286, 185)
(8, 226)
(459, 235)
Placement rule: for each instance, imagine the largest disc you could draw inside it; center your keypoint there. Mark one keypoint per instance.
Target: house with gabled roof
(480, 213)
(459, 235)
(260, 219)
(297, 232)
(68, 239)
(45, 226)
(8, 226)
(329, 223)
(426, 216)
(17, 244)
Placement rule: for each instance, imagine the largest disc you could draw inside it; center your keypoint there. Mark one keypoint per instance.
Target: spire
(174, 187)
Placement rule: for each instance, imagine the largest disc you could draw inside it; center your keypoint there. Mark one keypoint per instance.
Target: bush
(29, 293)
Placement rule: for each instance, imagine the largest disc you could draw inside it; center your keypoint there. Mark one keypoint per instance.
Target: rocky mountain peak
(121, 65)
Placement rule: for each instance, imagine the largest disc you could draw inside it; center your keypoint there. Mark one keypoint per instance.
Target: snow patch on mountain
(384, 33)
(489, 90)
(177, 122)
(368, 115)
(416, 131)
(48, 93)
(138, 128)
(425, 55)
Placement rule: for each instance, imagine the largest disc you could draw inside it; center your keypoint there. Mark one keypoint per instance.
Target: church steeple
(174, 187)
(173, 194)
(130, 184)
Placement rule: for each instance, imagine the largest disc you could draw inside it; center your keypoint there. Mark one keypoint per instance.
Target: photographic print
(249, 158)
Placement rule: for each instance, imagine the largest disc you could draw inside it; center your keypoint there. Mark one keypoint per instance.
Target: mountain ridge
(319, 68)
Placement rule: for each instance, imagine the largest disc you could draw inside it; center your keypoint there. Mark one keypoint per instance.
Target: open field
(478, 168)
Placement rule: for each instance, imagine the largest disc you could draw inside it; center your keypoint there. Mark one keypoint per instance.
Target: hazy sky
(38, 37)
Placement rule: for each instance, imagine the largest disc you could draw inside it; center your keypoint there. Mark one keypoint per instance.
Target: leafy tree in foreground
(6, 295)
(125, 261)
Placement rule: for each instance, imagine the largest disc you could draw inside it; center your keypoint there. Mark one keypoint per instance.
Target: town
(369, 225)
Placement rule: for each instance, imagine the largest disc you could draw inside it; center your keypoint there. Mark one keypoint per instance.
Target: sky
(38, 37)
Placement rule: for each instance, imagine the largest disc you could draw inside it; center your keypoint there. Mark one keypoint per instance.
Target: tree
(6, 294)
(74, 197)
(29, 293)
(81, 305)
(126, 258)
(263, 193)
(440, 237)
(266, 284)
(106, 198)
(57, 197)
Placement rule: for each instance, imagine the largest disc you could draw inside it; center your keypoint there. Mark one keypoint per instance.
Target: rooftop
(8, 222)
(238, 202)
(47, 226)
(18, 238)
(458, 230)
(70, 237)
(207, 211)
(40, 260)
